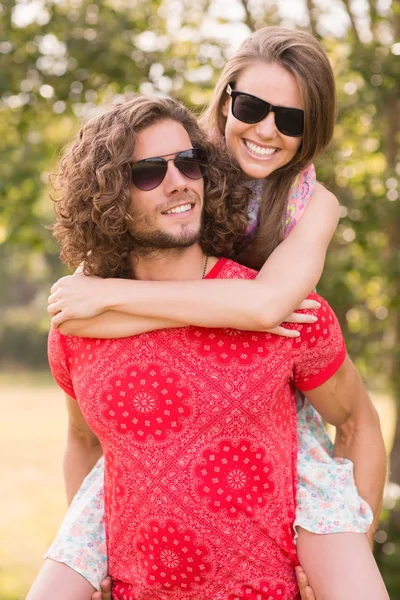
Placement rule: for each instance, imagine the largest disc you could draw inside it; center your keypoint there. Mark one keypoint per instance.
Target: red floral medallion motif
(171, 557)
(235, 479)
(147, 403)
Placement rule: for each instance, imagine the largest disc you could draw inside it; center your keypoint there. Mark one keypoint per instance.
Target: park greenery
(61, 59)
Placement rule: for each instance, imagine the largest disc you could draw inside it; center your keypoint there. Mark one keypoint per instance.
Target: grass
(32, 498)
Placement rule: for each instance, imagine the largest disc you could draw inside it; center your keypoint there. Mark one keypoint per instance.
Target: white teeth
(258, 150)
(179, 209)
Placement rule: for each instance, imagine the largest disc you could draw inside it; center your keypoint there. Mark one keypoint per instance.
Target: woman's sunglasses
(250, 109)
(148, 173)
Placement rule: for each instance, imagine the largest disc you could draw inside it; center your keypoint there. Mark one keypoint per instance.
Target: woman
(276, 119)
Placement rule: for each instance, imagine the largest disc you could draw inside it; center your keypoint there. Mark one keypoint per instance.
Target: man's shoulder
(325, 315)
(229, 269)
(72, 347)
(325, 307)
(325, 329)
(54, 340)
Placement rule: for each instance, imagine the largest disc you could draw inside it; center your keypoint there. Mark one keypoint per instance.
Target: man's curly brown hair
(92, 189)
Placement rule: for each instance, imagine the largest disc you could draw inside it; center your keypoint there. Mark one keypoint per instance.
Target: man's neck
(169, 265)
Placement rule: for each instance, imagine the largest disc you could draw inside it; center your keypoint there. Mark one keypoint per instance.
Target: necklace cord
(205, 268)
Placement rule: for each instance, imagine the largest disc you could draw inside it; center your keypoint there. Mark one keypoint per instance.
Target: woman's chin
(253, 171)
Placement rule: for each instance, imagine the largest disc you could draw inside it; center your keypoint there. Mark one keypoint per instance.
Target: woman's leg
(340, 566)
(77, 559)
(57, 580)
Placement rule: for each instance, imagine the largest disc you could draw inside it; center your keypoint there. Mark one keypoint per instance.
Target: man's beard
(147, 239)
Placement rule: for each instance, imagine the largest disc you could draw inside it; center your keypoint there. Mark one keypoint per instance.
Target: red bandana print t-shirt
(198, 429)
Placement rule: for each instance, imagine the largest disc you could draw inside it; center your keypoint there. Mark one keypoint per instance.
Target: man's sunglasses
(250, 109)
(148, 173)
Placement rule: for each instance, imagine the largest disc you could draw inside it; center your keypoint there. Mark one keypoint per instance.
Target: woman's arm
(288, 276)
(112, 324)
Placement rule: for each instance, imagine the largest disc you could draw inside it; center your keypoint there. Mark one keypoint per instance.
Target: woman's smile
(260, 148)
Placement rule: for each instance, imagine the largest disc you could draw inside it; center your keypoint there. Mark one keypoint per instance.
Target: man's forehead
(165, 138)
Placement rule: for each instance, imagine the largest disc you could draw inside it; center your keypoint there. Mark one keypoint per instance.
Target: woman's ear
(225, 107)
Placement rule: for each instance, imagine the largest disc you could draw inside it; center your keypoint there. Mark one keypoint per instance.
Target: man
(197, 426)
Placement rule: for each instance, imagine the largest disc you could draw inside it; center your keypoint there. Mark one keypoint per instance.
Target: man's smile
(181, 209)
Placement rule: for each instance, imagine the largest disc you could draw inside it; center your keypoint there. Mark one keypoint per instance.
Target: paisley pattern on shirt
(214, 458)
(327, 498)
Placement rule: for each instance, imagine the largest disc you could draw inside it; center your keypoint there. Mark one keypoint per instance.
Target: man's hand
(306, 591)
(105, 593)
(75, 297)
(296, 317)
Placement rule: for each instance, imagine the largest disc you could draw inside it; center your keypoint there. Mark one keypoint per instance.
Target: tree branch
(396, 19)
(312, 11)
(249, 17)
(373, 15)
(352, 21)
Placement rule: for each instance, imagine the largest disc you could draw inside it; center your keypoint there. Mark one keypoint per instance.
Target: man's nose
(266, 128)
(174, 180)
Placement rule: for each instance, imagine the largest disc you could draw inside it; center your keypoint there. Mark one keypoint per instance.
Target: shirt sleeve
(58, 361)
(300, 195)
(320, 349)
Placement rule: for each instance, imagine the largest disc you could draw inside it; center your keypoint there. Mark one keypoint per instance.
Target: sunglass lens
(248, 109)
(148, 175)
(192, 163)
(290, 121)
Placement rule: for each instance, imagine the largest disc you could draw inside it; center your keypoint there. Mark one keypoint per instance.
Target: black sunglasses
(250, 109)
(148, 173)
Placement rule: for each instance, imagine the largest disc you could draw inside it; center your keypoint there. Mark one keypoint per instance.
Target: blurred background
(58, 61)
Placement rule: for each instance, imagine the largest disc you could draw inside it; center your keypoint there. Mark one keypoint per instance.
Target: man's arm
(344, 402)
(82, 449)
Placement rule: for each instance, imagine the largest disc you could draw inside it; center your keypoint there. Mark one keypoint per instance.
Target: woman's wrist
(114, 294)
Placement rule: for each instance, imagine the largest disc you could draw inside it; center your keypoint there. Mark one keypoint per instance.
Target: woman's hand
(76, 297)
(81, 297)
(296, 317)
(105, 593)
(306, 591)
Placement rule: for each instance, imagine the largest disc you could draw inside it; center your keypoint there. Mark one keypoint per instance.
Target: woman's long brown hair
(303, 56)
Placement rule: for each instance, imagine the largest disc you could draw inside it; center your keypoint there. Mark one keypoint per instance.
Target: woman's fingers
(309, 305)
(58, 319)
(54, 308)
(54, 287)
(301, 318)
(283, 332)
(297, 317)
(52, 298)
